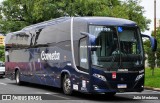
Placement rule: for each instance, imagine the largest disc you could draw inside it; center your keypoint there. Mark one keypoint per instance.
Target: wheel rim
(17, 77)
(67, 85)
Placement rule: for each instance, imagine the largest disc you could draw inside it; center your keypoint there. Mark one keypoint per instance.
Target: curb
(151, 88)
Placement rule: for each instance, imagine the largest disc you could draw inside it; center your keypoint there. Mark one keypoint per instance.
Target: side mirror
(91, 40)
(153, 42)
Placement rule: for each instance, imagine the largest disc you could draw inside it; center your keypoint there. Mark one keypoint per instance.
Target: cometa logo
(50, 56)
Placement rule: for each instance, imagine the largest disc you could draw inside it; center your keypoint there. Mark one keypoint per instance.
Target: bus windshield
(117, 48)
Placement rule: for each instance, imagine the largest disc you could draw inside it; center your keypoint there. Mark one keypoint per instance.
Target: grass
(152, 81)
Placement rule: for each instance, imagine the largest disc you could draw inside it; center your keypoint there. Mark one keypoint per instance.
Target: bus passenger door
(83, 48)
(84, 65)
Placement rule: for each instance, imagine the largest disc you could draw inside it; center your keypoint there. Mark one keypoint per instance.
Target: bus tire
(17, 77)
(67, 85)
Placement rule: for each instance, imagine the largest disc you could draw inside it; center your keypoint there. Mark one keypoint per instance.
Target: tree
(16, 14)
(153, 57)
(135, 13)
(2, 58)
(158, 47)
(150, 56)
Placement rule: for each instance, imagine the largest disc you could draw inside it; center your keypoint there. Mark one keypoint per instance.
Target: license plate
(122, 85)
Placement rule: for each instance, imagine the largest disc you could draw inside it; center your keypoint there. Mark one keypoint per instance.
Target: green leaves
(158, 46)
(153, 58)
(16, 14)
(2, 58)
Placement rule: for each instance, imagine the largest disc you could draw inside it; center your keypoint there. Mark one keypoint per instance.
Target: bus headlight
(139, 77)
(100, 77)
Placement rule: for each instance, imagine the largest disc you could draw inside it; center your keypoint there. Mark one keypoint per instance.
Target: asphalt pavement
(10, 92)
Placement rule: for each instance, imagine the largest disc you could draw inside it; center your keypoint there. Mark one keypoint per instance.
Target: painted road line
(57, 96)
(3, 83)
(152, 91)
(44, 92)
(8, 79)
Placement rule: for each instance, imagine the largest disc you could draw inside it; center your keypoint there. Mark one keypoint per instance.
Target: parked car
(2, 69)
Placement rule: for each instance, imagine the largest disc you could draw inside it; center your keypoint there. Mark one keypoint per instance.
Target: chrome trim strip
(73, 58)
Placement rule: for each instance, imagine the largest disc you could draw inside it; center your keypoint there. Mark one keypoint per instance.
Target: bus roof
(111, 21)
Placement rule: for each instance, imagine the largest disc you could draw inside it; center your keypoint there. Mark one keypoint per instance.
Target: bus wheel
(67, 85)
(18, 78)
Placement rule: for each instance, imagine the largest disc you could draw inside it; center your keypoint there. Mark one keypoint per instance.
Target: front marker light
(100, 77)
(95, 87)
(139, 77)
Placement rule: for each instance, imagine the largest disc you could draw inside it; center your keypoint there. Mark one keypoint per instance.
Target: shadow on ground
(78, 95)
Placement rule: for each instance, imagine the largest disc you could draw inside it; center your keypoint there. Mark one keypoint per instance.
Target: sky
(149, 12)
